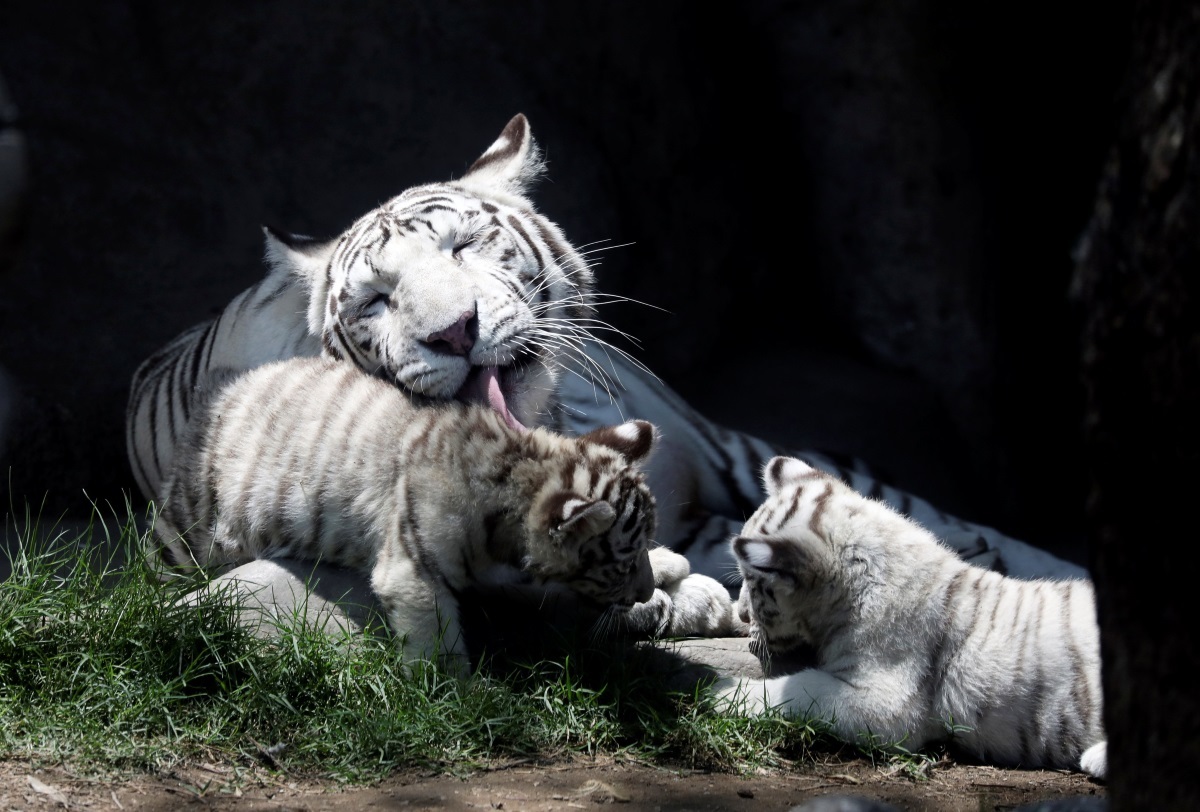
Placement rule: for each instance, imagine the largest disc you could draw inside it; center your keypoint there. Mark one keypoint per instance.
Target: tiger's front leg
(882, 704)
(423, 617)
(684, 604)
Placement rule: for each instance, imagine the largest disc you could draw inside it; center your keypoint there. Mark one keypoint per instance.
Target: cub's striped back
(310, 458)
(912, 643)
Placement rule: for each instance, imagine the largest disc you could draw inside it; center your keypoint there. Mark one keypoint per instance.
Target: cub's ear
(781, 471)
(301, 256)
(633, 440)
(573, 519)
(511, 163)
(772, 556)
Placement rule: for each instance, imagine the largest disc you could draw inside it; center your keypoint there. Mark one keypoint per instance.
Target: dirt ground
(520, 786)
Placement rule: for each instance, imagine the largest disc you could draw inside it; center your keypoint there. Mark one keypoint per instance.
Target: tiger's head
(454, 290)
(799, 558)
(591, 525)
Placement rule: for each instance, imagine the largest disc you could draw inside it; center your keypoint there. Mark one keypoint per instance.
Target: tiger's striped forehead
(440, 217)
(800, 502)
(437, 218)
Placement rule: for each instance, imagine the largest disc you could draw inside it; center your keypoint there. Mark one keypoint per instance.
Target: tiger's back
(263, 323)
(1018, 668)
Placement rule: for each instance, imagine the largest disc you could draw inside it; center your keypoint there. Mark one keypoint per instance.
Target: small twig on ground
(267, 754)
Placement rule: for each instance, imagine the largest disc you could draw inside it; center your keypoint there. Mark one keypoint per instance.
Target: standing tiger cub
(911, 641)
(310, 458)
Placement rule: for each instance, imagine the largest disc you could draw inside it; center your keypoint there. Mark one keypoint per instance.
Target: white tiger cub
(310, 458)
(909, 638)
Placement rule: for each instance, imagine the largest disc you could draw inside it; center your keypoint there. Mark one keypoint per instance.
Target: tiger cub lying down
(910, 640)
(310, 458)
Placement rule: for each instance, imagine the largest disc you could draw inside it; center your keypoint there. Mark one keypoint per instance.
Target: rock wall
(1136, 282)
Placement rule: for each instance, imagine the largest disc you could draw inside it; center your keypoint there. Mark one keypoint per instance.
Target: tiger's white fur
(429, 290)
(450, 279)
(909, 638)
(310, 458)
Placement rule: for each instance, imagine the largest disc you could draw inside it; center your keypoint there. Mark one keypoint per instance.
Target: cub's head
(593, 520)
(799, 571)
(453, 290)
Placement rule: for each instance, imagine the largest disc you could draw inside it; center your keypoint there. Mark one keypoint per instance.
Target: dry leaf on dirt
(53, 793)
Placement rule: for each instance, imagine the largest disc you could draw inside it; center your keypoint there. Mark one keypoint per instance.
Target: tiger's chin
(776, 661)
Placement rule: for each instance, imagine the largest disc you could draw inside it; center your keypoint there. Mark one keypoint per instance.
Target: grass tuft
(103, 667)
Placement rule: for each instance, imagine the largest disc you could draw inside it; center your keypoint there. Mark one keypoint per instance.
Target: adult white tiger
(450, 279)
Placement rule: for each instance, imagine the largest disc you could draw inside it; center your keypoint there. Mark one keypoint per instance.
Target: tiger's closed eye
(372, 306)
(462, 246)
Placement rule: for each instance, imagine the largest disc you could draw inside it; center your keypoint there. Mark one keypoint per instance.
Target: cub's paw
(740, 697)
(651, 618)
(684, 605)
(700, 606)
(668, 566)
(1094, 761)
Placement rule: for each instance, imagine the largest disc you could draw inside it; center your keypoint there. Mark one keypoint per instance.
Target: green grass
(102, 668)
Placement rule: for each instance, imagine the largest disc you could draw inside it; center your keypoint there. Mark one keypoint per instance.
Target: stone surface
(728, 656)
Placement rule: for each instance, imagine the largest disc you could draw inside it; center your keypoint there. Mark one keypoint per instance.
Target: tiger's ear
(573, 519)
(303, 257)
(634, 440)
(512, 162)
(782, 471)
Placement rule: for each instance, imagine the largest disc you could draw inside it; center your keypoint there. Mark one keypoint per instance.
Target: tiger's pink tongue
(483, 385)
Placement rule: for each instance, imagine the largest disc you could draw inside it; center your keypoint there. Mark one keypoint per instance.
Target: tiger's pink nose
(458, 338)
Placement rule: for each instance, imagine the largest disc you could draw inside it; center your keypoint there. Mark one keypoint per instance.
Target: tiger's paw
(668, 566)
(1094, 761)
(740, 697)
(694, 606)
(700, 606)
(650, 618)
(684, 604)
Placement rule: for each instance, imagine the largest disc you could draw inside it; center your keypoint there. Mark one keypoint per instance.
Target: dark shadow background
(859, 214)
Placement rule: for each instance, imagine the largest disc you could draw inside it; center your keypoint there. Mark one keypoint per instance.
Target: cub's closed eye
(773, 572)
(462, 246)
